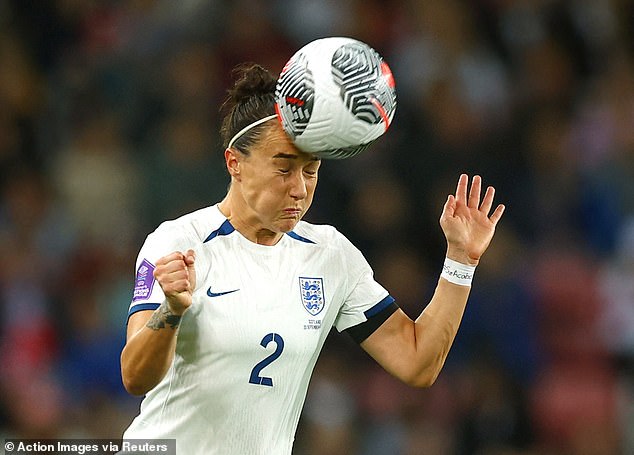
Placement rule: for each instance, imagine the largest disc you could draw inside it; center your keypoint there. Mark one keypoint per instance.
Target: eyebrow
(290, 156)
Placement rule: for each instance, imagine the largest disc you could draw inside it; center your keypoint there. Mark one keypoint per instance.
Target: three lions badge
(312, 293)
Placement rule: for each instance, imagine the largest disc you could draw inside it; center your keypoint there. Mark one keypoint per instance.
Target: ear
(232, 160)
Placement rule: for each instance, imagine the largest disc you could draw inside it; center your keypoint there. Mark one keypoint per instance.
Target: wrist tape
(457, 273)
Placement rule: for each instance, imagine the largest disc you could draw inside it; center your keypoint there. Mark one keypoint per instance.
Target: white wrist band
(457, 273)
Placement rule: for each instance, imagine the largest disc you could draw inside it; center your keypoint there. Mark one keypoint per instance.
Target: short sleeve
(365, 299)
(147, 293)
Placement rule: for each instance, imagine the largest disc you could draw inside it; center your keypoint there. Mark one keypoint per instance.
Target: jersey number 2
(255, 372)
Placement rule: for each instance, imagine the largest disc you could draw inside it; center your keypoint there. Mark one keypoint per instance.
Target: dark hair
(251, 98)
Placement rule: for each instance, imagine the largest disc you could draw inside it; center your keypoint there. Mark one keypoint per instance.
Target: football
(335, 96)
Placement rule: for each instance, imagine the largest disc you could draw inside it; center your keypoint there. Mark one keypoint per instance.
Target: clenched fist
(176, 275)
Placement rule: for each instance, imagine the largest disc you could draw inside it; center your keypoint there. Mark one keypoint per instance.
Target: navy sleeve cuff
(142, 307)
(376, 315)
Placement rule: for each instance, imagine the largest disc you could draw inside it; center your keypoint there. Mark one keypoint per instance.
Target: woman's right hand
(176, 275)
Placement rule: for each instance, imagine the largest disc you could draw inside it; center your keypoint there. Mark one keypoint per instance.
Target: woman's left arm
(415, 351)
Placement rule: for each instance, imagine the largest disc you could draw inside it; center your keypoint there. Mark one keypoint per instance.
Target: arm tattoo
(162, 317)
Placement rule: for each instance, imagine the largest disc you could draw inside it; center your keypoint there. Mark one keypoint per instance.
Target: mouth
(293, 212)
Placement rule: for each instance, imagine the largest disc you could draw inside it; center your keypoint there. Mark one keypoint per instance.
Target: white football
(335, 96)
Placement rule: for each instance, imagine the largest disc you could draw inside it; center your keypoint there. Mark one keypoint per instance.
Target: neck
(245, 222)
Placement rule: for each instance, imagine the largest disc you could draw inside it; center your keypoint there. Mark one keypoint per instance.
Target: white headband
(248, 127)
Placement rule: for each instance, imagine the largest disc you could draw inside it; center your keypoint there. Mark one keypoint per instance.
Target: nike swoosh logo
(218, 294)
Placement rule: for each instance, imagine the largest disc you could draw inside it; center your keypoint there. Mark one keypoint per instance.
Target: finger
(487, 202)
(190, 257)
(449, 208)
(175, 256)
(461, 190)
(191, 270)
(179, 285)
(497, 214)
(474, 193)
(176, 287)
(172, 272)
(171, 267)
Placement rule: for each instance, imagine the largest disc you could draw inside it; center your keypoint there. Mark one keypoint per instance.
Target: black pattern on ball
(356, 69)
(295, 93)
(346, 152)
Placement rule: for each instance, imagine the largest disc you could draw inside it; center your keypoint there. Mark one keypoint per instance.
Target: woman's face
(277, 181)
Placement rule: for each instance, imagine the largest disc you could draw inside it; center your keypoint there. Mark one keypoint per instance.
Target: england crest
(312, 292)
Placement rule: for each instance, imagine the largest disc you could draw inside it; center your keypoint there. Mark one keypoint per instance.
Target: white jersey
(247, 346)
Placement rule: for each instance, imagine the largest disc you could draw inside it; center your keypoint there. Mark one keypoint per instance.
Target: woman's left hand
(466, 223)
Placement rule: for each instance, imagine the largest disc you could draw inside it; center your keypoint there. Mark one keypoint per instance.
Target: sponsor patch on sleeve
(144, 281)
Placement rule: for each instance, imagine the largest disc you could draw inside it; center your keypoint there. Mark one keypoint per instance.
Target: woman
(224, 345)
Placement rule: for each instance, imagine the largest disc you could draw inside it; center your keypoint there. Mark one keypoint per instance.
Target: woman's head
(272, 182)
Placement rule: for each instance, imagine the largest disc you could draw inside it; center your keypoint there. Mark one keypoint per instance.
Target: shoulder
(324, 235)
(195, 225)
(320, 234)
(188, 230)
(336, 243)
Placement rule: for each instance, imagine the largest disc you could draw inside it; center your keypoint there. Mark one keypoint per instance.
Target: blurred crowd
(109, 112)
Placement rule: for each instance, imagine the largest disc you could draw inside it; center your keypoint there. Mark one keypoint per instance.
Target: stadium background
(108, 125)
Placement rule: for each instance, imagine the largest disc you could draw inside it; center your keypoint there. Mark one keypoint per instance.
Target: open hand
(176, 275)
(466, 222)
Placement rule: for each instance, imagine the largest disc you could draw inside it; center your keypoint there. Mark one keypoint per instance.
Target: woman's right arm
(149, 349)
(151, 336)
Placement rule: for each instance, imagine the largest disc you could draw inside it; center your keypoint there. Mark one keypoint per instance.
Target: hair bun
(251, 98)
(251, 80)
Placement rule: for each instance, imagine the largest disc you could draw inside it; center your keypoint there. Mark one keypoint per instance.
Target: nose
(298, 189)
